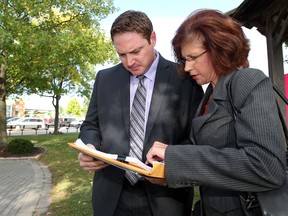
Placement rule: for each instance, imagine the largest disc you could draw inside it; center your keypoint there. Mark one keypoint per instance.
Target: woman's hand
(159, 181)
(89, 163)
(156, 152)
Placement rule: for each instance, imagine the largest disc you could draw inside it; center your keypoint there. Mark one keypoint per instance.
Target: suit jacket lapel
(162, 76)
(160, 85)
(124, 87)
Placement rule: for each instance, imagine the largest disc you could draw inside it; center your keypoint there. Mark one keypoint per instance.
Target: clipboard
(122, 162)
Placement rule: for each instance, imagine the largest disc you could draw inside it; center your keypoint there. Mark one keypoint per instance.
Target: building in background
(32, 106)
(15, 108)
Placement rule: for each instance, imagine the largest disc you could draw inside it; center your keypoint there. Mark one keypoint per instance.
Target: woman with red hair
(229, 155)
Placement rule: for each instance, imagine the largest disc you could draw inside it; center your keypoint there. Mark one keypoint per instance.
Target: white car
(66, 121)
(76, 123)
(12, 119)
(27, 123)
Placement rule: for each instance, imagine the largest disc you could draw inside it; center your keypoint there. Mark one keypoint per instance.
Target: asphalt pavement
(25, 186)
(25, 183)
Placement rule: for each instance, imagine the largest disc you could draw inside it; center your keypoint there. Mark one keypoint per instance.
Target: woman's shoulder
(244, 82)
(249, 75)
(247, 78)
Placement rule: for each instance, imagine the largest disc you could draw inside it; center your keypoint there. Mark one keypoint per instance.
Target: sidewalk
(24, 187)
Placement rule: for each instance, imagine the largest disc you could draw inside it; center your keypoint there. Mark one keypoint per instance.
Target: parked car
(49, 121)
(12, 119)
(7, 118)
(76, 123)
(27, 123)
(66, 121)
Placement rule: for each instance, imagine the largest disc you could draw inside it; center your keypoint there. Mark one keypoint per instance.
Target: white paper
(131, 160)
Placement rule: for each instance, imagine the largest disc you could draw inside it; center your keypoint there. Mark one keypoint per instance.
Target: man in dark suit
(170, 103)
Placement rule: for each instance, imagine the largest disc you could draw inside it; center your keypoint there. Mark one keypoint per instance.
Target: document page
(102, 155)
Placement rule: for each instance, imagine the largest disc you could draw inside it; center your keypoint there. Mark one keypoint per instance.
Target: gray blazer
(229, 157)
(174, 102)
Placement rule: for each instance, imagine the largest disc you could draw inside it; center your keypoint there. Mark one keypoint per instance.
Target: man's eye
(136, 51)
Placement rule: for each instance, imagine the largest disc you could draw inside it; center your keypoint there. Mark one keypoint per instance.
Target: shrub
(20, 146)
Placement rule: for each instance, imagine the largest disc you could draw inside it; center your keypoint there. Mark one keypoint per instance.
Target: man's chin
(136, 72)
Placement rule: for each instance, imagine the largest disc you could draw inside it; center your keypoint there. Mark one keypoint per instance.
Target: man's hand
(89, 163)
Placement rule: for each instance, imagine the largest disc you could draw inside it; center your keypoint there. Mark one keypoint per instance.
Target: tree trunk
(56, 119)
(3, 131)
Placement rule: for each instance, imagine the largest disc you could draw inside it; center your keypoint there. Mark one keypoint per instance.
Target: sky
(166, 16)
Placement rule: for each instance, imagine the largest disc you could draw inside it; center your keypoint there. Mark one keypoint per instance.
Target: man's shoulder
(112, 68)
(111, 71)
(165, 61)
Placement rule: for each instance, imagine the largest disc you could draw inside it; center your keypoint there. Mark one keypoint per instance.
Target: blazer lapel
(205, 99)
(219, 93)
(200, 119)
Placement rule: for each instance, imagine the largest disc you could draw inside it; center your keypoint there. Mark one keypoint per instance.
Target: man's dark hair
(132, 21)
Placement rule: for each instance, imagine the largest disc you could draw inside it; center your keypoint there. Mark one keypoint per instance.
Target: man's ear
(153, 38)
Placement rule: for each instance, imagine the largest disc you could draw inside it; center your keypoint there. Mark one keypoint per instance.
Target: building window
(9, 110)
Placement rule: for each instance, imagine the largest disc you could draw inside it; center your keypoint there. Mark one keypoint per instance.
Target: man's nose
(129, 60)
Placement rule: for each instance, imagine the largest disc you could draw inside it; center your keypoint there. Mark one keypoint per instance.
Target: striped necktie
(137, 124)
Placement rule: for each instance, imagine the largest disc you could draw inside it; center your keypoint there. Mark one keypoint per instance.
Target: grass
(71, 185)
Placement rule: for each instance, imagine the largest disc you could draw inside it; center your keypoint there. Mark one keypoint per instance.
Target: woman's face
(198, 63)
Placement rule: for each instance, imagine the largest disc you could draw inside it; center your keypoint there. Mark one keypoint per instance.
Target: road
(41, 131)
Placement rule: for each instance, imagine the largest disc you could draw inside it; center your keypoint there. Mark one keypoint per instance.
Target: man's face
(134, 51)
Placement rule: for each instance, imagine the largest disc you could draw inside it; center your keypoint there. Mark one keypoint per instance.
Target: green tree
(74, 108)
(85, 106)
(62, 111)
(50, 48)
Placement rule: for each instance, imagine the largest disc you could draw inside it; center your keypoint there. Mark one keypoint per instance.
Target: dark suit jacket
(231, 157)
(174, 103)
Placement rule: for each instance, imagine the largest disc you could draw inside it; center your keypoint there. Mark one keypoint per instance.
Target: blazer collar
(219, 93)
(220, 90)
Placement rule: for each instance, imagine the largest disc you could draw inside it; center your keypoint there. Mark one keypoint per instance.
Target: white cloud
(165, 29)
(258, 53)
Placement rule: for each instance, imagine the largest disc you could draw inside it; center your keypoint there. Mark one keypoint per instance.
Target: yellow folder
(122, 162)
